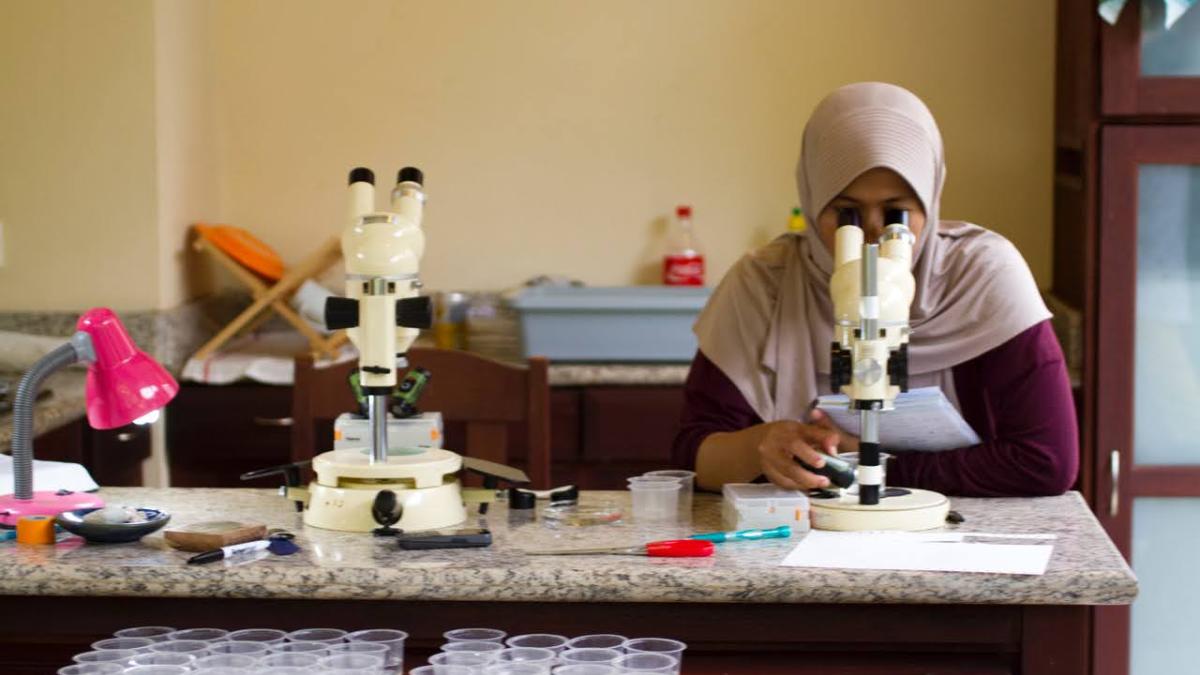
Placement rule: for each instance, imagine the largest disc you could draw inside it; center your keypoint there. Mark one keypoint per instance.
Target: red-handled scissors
(672, 548)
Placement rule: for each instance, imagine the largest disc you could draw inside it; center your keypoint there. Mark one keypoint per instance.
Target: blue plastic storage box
(626, 324)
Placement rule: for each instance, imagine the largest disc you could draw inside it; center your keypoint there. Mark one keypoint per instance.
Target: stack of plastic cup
(655, 498)
(647, 663)
(590, 655)
(688, 481)
(598, 641)
(392, 639)
(663, 646)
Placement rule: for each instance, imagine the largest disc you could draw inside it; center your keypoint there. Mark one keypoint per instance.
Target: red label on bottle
(683, 270)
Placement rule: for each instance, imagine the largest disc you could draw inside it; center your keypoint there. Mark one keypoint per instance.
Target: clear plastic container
(654, 646)
(327, 635)
(586, 669)
(555, 643)
(268, 636)
(647, 663)
(444, 669)
(203, 634)
(136, 644)
(367, 662)
(598, 641)
(163, 659)
(655, 499)
(475, 635)
(293, 660)
(318, 648)
(535, 655)
(394, 639)
(762, 505)
(475, 662)
(224, 661)
(159, 670)
(120, 656)
(156, 633)
(196, 647)
(92, 669)
(239, 647)
(590, 655)
(688, 480)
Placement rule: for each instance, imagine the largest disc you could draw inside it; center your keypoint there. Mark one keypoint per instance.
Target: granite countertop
(1085, 568)
(67, 402)
(639, 374)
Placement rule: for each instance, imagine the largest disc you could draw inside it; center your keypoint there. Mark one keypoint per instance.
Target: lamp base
(45, 503)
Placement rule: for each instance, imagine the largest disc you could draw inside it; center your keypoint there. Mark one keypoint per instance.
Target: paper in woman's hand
(924, 419)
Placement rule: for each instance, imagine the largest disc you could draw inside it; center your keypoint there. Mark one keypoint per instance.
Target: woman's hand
(847, 442)
(786, 441)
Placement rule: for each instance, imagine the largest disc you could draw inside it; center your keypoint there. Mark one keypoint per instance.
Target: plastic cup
(290, 660)
(159, 670)
(155, 633)
(226, 661)
(378, 649)
(687, 479)
(119, 656)
(136, 644)
(647, 663)
(197, 647)
(590, 655)
(352, 662)
(475, 662)
(655, 499)
(555, 643)
(443, 670)
(516, 669)
(282, 670)
(202, 634)
(394, 639)
(223, 670)
(318, 648)
(474, 635)
(534, 655)
(487, 649)
(327, 635)
(598, 641)
(92, 669)
(266, 635)
(586, 669)
(239, 647)
(672, 648)
(163, 659)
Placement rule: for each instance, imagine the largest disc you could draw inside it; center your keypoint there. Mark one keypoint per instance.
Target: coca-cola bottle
(683, 263)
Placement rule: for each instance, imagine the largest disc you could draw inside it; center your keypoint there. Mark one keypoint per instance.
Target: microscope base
(348, 509)
(916, 510)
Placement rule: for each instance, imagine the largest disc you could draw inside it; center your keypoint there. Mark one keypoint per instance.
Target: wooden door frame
(1124, 90)
(1123, 149)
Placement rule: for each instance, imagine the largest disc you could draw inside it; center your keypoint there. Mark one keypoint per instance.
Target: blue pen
(781, 532)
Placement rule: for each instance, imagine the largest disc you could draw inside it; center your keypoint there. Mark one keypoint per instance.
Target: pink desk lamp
(123, 385)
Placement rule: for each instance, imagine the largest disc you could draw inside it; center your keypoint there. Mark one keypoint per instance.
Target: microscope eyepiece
(362, 174)
(848, 216)
(895, 217)
(411, 174)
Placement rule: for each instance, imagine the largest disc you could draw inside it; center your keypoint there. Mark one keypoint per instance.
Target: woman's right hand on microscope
(785, 442)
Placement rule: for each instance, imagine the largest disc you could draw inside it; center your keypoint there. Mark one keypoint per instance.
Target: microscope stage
(912, 511)
(424, 469)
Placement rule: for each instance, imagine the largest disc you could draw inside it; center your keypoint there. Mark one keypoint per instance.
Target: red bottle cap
(683, 211)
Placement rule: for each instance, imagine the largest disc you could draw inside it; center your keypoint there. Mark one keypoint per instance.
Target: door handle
(1114, 470)
(273, 421)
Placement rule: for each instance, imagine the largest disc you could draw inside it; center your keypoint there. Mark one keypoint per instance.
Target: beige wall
(77, 164)
(556, 136)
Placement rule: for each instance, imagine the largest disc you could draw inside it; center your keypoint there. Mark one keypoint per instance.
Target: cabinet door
(1148, 392)
(1149, 70)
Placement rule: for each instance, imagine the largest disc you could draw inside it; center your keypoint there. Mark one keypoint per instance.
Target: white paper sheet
(924, 419)
(49, 476)
(922, 552)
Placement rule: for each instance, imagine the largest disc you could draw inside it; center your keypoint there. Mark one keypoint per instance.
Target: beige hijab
(769, 324)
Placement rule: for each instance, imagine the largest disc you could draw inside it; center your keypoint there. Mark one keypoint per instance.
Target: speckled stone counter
(1085, 568)
(635, 374)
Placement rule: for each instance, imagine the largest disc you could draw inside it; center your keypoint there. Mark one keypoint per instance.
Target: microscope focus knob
(415, 312)
(341, 313)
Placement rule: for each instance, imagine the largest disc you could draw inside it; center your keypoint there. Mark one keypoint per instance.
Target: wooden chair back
(485, 398)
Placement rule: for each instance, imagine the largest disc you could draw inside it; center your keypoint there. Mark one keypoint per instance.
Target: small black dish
(111, 533)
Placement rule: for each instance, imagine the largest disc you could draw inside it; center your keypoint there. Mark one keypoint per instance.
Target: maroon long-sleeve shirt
(1017, 397)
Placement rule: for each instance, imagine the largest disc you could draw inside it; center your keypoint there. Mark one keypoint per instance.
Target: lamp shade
(124, 383)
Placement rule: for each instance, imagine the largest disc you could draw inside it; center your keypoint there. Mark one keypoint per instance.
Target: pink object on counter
(124, 384)
(44, 503)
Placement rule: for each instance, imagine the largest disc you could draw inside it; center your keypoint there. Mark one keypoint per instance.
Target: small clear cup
(647, 663)
(687, 479)
(155, 633)
(394, 639)
(318, 648)
(655, 499)
(516, 669)
(197, 647)
(202, 634)
(555, 643)
(443, 670)
(282, 670)
(376, 648)
(222, 670)
(136, 644)
(586, 669)
(487, 649)
(534, 655)
(92, 669)
(590, 655)
(598, 641)
(159, 670)
(240, 647)
(327, 635)
(242, 661)
(119, 656)
(475, 662)
(265, 635)
(291, 660)
(352, 662)
(163, 659)
(475, 635)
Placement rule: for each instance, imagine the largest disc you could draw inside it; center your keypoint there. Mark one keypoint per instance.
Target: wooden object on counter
(273, 297)
(211, 535)
(485, 397)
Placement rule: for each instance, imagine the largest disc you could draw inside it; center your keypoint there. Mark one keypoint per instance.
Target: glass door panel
(1167, 610)
(1174, 52)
